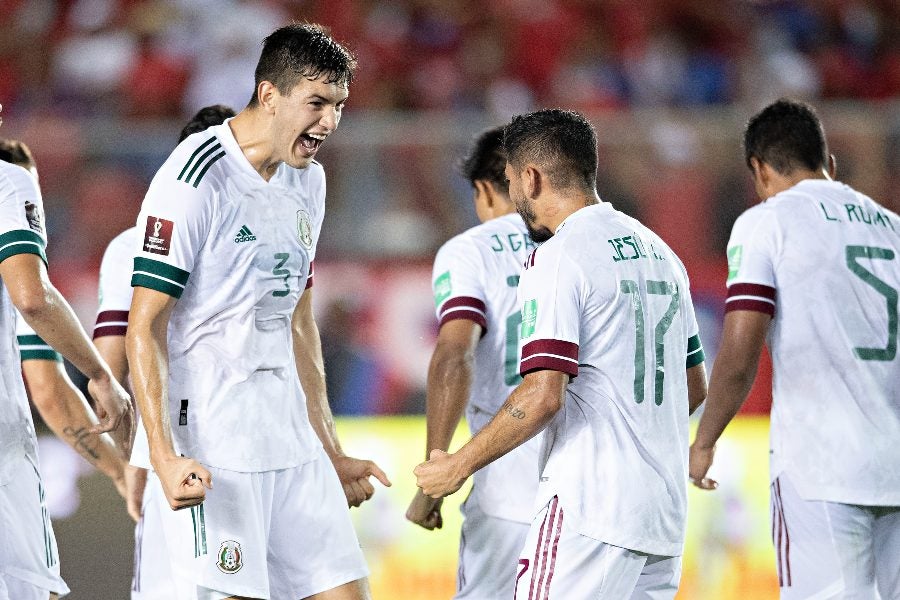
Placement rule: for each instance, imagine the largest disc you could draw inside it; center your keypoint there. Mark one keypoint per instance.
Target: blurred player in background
(61, 405)
(612, 366)
(813, 271)
(29, 561)
(224, 351)
(474, 368)
(152, 577)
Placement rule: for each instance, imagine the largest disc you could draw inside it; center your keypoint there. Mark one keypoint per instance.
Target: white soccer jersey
(606, 301)
(21, 232)
(475, 277)
(236, 250)
(115, 290)
(822, 259)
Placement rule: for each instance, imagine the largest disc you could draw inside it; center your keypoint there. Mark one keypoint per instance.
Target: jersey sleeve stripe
(155, 282)
(161, 270)
(752, 289)
(752, 304)
(32, 347)
(695, 354)
(464, 307)
(21, 241)
(556, 355)
(208, 165)
(109, 329)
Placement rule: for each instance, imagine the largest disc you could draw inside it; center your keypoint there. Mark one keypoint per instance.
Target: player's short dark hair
(205, 118)
(302, 50)
(562, 141)
(787, 135)
(486, 160)
(17, 153)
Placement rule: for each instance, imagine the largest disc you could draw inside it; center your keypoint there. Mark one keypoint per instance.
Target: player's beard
(537, 233)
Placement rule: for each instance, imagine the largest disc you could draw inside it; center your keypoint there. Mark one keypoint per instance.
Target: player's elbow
(33, 300)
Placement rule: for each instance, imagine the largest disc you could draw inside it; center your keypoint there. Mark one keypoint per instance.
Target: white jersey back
(475, 277)
(236, 250)
(606, 301)
(21, 232)
(823, 260)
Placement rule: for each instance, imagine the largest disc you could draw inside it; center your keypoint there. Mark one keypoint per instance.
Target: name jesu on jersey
(636, 244)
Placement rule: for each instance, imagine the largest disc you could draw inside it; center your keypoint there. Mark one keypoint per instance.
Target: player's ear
(265, 95)
(532, 181)
(832, 166)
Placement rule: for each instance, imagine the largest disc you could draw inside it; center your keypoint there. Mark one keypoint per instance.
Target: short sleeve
(21, 214)
(309, 222)
(551, 296)
(31, 346)
(751, 272)
(173, 224)
(457, 283)
(695, 354)
(114, 289)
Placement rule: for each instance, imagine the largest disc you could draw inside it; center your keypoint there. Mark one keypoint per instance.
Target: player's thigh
(28, 554)
(152, 577)
(886, 548)
(822, 549)
(557, 562)
(311, 503)
(489, 549)
(219, 547)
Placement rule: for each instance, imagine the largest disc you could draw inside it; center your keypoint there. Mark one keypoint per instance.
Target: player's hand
(354, 475)
(439, 476)
(135, 482)
(183, 480)
(701, 460)
(113, 404)
(425, 511)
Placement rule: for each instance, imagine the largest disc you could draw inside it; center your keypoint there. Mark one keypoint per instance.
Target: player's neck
(565, 205)
(780, 183)
(250, 131)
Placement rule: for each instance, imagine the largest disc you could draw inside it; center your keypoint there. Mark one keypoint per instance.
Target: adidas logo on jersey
(244, 235)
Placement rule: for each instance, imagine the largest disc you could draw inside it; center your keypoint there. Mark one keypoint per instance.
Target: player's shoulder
(196, 162)
(18, 180)
(125, 242)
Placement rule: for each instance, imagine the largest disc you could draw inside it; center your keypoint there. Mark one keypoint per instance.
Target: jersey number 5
(889, 293)
(659, 288)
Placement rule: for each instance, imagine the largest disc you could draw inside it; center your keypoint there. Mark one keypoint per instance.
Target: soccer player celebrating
(224, 352)
(474, 368)
(152, 577)
(813, 272)
(29, 561)
(612, 367)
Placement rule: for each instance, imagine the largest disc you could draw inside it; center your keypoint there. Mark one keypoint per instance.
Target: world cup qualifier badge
(158, 235)
(304, 229)
(230, 557)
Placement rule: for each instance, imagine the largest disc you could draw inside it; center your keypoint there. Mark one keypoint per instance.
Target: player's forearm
(53, 320)
(527, 411)
(66, 412)
(311, 370)
(148, 357)
(447, 390)
(731, 381)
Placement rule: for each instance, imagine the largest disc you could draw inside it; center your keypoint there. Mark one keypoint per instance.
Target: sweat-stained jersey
(608, 302)
(21, 232)
(235, 251)
(822, 259)
(475, 277)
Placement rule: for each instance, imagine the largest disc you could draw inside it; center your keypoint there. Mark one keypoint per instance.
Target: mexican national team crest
(304, 229)
(230, 557)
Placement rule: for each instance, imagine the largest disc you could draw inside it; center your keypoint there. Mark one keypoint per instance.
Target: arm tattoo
(514, 412)
(83, 443)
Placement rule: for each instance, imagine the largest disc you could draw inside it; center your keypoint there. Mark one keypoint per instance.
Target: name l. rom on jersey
(856, 213)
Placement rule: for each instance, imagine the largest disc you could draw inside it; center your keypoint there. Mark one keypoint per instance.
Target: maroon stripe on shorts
(553, 555)
(554, 504)
(537, 550)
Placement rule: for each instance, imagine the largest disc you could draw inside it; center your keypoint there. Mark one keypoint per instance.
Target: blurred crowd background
(100, 89)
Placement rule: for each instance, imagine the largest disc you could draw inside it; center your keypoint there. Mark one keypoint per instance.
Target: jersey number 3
(658, 288)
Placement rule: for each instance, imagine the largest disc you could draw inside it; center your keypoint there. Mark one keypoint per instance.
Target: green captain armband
(695, 354)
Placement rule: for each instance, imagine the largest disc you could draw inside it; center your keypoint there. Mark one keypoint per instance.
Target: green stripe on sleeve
(695, 354)
(155, 283)
(161, 269)
(194, 155)
(32, 347)
(206, 168)
(21, 241)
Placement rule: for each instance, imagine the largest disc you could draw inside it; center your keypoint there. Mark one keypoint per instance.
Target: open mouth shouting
(309, 143)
